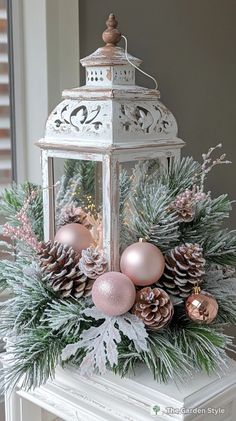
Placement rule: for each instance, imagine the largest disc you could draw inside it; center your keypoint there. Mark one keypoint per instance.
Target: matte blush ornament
(143, 263)
(76, 236)
(113, 293)
(201, 307)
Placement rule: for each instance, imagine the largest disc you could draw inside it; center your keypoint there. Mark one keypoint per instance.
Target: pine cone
(154, 307)
(184, 267)
(71, 214)
(201, 196)
(184, 206)
(93, 263)
(60, 265)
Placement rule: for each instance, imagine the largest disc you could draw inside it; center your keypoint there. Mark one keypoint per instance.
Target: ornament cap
(142, 240)
(197, 289)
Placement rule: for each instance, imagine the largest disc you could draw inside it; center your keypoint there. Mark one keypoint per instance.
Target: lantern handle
(134, 65)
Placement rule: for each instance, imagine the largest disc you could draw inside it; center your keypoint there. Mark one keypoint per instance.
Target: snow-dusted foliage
(101, 342)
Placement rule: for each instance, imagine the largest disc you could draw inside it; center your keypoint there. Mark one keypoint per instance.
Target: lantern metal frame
(111, 160)
(109, 120)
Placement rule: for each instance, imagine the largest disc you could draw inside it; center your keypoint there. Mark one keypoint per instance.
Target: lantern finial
(111, 36)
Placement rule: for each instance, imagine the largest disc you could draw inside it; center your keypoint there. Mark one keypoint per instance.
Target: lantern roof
(110, 54)
(110, 110)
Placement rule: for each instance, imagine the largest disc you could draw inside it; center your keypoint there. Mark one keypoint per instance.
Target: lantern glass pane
(77, 184)
(134, 177)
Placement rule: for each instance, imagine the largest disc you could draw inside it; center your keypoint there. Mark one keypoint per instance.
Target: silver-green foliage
(100, 341)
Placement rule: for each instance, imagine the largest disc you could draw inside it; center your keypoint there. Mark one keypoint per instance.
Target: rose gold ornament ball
(74, 235)
(201, 307)
(143, 263)
(113, 293)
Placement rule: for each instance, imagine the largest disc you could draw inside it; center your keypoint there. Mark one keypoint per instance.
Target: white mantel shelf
(110, 398)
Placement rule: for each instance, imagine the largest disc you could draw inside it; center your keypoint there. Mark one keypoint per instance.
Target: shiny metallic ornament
(76, 236)
(201, 307)
(113, 293)
(143, 263)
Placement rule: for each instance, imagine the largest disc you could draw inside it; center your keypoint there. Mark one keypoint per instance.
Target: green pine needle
(39, 324)
(32, 359)
(148, 216)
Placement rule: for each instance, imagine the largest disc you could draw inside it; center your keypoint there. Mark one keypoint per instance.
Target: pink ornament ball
(143, 263)
(74, 235)
(113, 293)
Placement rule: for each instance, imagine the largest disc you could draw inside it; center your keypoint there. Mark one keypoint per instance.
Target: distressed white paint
(112, 120)
(12, 406)
(72, 117)
(110, 75)
(110, 398)
(109, 56)
(48, 195)
(110, 158)
(111, 224)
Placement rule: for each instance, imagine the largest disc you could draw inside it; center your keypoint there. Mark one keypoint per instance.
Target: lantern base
(72, 397)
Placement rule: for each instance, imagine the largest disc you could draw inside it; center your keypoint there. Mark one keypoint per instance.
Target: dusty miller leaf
(132, 327)
(101, 342)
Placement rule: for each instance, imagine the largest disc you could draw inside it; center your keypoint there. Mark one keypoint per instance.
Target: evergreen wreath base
(44, 330)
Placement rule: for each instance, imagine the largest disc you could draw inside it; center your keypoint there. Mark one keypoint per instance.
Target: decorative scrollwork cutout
(73, 116)
(147, 119)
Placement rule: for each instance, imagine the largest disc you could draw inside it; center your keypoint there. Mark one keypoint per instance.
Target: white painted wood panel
(110, 398)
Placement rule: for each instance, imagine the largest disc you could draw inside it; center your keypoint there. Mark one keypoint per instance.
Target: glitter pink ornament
(113, 293)
(143, 263)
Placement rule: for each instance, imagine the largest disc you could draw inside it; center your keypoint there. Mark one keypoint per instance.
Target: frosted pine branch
(209, 215)
(208, 163)
(148, 216)
(66, 194)
(220, 247)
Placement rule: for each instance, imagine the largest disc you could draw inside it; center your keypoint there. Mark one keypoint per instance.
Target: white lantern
(110, 121)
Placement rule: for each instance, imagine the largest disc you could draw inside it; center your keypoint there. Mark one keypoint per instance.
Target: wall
(189, 46)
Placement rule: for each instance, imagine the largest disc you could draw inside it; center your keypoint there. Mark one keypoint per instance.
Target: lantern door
(98, 190)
